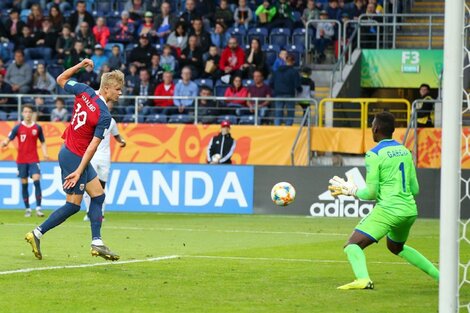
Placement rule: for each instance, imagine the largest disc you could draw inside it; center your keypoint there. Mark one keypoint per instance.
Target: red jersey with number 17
(28, 136)
(90, 117)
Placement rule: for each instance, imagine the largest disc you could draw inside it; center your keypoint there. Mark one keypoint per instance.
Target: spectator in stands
(284, 17)
(101, 32)
(311, 12)
(333, 10)
(192, 57)
(64, 44)
(203, 38)
(116, 60)
(156, 71)
(206, 10)
(222, 146)
(308, 87)
(165, 22)
(298, 5)
(424, 109)
(46, 40)
(357, 9)
(19, 74)
(242, 15)
(378, 8)
(178, 39)
(232, 58)
(165, 89)
(136, 9)
(223, 14)
(56, 17)
(14, 26)
(144, 88)
(7, 105)
(239, 91)
(324, 36)
(3, 70)
(63, 5)
(265, 13)
(41, 110)
(35, 18)
(123, 31)
(89, 77)
(43, 82)
(167, 60)
(285, 83)
(189, 14)
(98, 58)
(76, 56)
(85, 35)
(60, 113)
(27, 39)
(131, 78)
(79, 16)
(147, 27)
(207, 110)
(280, 60)
(142, 54)
(185, 88)
(255, 59)
(219, 37)
(211, 69)
(259, 90)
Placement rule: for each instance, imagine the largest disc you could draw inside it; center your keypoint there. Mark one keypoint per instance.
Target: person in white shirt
(101, 161)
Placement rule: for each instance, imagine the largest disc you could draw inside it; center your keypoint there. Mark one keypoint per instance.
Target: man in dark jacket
(222, 146)
(285, 82)
(80, 15)
(141, 55)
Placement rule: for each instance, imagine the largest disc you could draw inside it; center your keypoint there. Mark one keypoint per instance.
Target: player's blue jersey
(90, 118)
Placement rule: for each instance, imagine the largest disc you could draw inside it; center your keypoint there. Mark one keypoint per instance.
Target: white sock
(97, 242)
(37, 233)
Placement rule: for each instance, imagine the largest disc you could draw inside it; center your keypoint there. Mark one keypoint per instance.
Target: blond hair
(115, 78)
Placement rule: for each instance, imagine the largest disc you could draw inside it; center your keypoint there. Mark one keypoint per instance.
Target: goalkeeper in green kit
(391, 181)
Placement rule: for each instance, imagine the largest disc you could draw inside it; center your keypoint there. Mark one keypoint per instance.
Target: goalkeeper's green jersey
(391, 178)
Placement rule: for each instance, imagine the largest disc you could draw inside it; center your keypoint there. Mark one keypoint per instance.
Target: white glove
(339, 186)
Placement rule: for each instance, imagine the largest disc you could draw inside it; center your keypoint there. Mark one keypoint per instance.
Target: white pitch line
(47, 268)
(197, 230)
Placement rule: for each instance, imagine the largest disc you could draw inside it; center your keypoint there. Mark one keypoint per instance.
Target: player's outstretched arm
(71, 180)
(67, 74)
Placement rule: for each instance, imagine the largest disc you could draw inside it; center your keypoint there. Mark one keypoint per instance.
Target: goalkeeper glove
(339, 186)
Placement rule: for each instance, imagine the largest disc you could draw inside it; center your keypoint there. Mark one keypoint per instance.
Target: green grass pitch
(216, 263)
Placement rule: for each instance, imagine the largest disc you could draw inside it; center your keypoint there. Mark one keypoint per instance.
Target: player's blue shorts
(26, 170)
(69, 162)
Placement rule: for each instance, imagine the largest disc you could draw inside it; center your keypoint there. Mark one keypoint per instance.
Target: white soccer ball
(283, 194)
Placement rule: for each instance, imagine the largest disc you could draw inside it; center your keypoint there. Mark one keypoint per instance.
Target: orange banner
(172, 143)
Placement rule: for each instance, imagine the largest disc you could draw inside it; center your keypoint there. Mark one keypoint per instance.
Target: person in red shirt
(101, 32)
(90, 120)
(166, 88)
(28, 133)
(232, 59)
(237, 91)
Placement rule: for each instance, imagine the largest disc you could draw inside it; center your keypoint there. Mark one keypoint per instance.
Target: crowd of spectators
(241, 48)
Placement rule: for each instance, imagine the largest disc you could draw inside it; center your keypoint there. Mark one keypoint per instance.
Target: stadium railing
(310, 26)
(304, 141)
(131, 109)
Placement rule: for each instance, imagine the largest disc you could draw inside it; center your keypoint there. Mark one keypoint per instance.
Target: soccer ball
(283, 194)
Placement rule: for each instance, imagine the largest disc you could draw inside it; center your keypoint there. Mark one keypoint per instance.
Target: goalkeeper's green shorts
(380, 223)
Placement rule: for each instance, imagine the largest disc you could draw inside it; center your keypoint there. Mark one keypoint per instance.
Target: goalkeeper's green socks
(418, 260)
(357, 258)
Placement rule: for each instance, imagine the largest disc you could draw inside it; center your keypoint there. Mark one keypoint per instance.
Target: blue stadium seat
(298, 51)
(297, 16)
(55, 70)
(112, 19)
(220, 90)
(258, 32)
(247, 82)
(203, 81)
(129, 118)
(248, 120)
(181, 119)
(233, 119)
(280, 36)
(238, 33)
(271, 52)
(13, 116)
(120, 4)
(157, 118)
(24, 15)
(6, 51)
(3, 116)
(104, 7)
(109, 46)
(298, 36)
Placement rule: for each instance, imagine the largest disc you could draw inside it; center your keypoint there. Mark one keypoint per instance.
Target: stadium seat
(220, 89)
(130, 118)
(248, 120)
(103, 7)
(109, 46)
(6, 51)
(129, 49)
(55, 70)
(203, 81)
(259, 32)
(157, 118)
(24, 15)
(247, 82)
(181, 119)
(280, 36)
(3, 116)
(159, 48)
(120, 4)
(298, 37)
(238, 33)
(297, 51)
(13, 116)
(112, 19)
(271, 52)
(233, 119)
